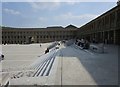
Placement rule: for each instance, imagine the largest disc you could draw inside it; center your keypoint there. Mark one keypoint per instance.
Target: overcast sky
(44, 14)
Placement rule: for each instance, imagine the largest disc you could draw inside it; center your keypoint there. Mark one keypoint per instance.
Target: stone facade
(36, 35)
(105, 28)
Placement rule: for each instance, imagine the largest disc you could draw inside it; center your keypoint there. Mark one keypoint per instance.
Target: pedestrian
(40, 45)
(82, 42)
(86, 44)
(46, 51)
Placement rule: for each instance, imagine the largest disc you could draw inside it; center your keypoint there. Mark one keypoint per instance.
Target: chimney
(118, 2)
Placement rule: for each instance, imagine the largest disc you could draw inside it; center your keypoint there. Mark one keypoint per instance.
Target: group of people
(83, 43)
(54, 44)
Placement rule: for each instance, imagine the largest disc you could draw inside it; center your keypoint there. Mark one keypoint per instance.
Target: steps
(44, 68)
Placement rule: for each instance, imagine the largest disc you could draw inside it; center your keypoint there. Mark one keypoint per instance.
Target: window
(37, 36)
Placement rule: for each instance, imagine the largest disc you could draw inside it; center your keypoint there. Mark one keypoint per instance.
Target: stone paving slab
(82, 68)
(77, 67)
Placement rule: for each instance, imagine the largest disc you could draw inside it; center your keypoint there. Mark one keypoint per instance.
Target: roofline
(54, 27)
(100, 16)
(34, 29)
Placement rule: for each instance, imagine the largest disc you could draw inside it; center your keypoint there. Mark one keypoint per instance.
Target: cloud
(42, 19)
(72, 2)
(11, 11)
(70, 16)
(78, 20)
(50, 5)
(44, 5)
(59, 0)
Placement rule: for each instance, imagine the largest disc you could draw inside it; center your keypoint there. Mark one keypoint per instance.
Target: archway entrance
(30, 39)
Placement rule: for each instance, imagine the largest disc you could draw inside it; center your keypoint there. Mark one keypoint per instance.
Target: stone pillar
(108, 37)
(114, 37)
(103, 37)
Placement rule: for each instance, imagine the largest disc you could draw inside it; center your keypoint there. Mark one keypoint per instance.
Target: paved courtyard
(72, 66)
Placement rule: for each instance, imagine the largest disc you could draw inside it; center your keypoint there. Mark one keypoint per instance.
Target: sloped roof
(70, 26)
(55, 27)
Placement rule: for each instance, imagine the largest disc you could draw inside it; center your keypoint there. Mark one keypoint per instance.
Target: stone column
(108, 37)
(103, 37)
(114, 37)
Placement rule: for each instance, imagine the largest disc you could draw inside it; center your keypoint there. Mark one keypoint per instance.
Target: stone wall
(104, 29)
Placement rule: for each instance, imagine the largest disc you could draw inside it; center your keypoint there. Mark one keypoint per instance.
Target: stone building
(37, 35)
(105, 28)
